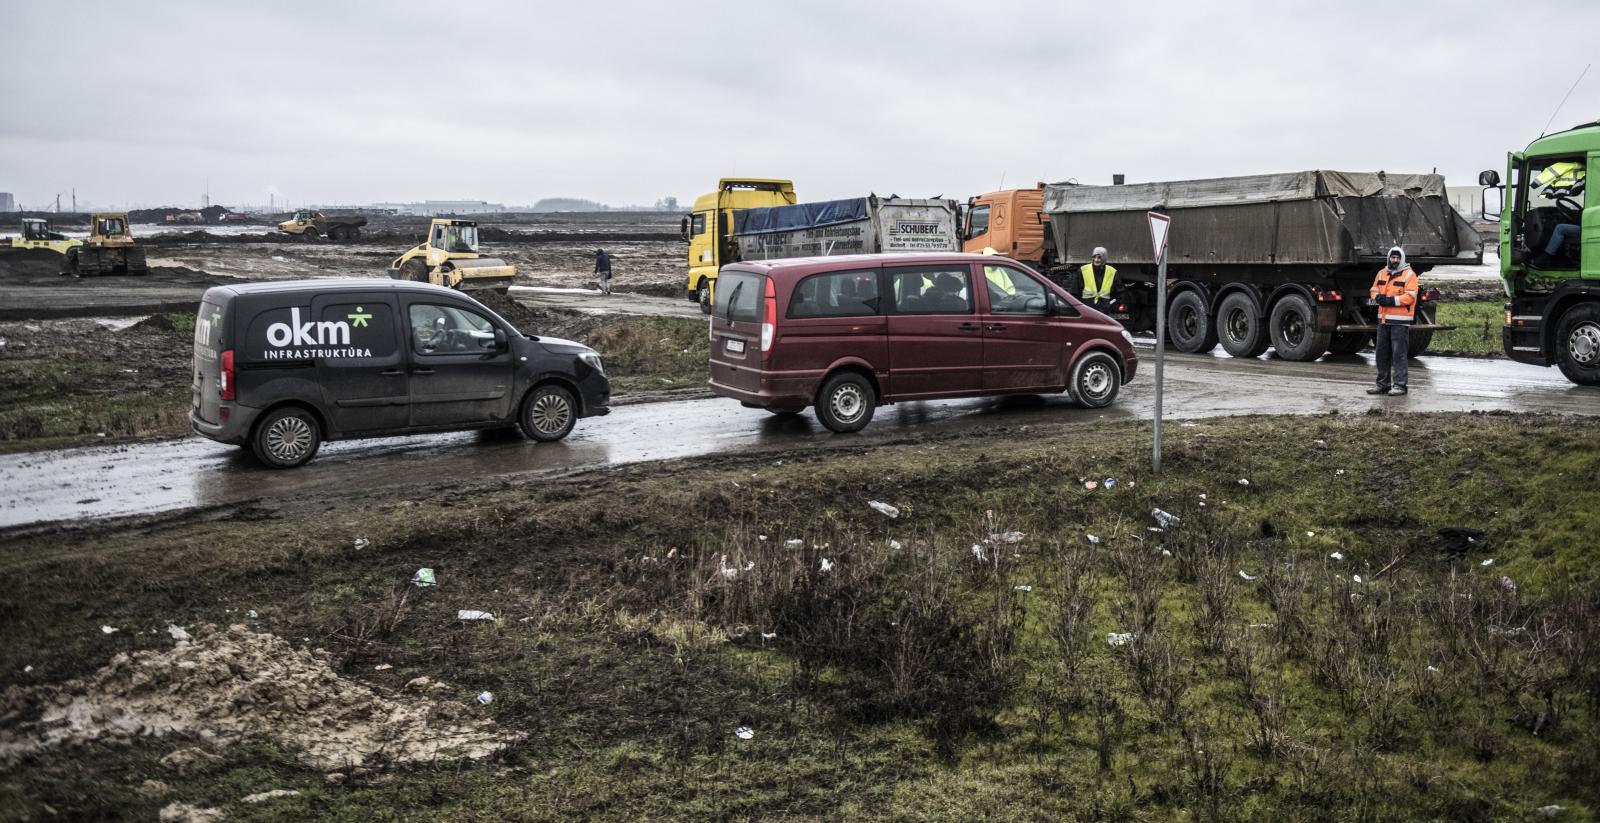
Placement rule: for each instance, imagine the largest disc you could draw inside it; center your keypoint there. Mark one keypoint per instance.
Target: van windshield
(738, 296)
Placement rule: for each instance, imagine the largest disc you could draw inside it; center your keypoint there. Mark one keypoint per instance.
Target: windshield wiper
(732, 298)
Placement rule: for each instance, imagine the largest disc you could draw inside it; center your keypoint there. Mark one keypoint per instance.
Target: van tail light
(226, 385)
(769, 320)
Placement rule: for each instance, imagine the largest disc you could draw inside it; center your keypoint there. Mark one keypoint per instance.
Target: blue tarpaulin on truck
(799, 216)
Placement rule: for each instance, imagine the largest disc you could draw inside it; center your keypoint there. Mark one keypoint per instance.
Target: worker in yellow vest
(1097, 278)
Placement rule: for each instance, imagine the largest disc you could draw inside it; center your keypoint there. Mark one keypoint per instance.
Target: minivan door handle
(422, 371)
(968, 327)
(997, 327)
(392, 372)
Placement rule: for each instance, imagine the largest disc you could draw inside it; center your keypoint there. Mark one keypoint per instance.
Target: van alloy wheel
(289, 438)
(551, 413)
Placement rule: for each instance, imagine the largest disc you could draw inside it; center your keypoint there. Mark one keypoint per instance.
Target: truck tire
(548, 414)
(846, 403)
(1190, 326)
(1420, 340)
(286, 438)
(1096, 379)
(310, 235)
(338, 233)
(354, 233)
(1239, 326)
(1578, 344)
(415, 270)
(1293, 326)
(1346, 343)
(703, 295)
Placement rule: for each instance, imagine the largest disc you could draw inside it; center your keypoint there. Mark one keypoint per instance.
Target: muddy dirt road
(160, 476)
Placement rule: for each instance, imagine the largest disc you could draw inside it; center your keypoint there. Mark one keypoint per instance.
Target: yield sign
(1158, 232)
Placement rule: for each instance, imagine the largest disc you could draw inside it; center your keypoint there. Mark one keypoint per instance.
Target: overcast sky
(329, 102)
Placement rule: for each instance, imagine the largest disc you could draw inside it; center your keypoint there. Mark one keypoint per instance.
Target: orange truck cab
(1010, 222)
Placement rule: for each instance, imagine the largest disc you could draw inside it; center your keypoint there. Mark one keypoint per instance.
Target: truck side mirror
(1489, 178)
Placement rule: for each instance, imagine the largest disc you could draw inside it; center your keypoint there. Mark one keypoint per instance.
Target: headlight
(1127, 336)
(593, 359)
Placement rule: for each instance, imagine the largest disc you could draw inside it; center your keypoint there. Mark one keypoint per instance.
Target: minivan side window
(438, 329)
(836, 294)
(738, 296)
(934, 290)
(1012, 292)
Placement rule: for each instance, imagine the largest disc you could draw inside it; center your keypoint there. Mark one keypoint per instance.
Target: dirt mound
(178, 238)
(226, 685)
(31, 263)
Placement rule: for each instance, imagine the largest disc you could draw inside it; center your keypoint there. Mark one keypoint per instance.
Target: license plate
(735, 346)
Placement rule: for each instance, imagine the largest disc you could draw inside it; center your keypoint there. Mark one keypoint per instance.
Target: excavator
(109, 250)
(450, 258)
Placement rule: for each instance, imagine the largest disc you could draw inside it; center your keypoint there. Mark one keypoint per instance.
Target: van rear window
(208, 330)
(738, 296)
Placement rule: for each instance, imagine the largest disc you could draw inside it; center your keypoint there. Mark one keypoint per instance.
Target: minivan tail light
(769, 319)
(225, 386)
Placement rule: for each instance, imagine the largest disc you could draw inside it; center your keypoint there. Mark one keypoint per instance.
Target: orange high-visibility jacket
(1401, 285)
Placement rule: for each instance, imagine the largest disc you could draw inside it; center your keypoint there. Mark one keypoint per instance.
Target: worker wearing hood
(1394, 292)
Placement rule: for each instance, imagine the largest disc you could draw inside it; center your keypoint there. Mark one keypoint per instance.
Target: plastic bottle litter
(1119, 638)
(1245, 575)
(744, 732)
(485, 698)
(177, 632)
(473, 614)
(362, 542)
(794, 544)
(1165, 519)
(424, 577)
(884, 508)
(1110, 482)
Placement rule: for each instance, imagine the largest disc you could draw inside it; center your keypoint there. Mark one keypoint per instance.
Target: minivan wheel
(549, 414)
(1096, 379)
(846, 403)
(286, 438)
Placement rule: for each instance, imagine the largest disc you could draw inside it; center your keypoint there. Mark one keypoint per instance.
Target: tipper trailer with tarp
(1284, 260)
(859, 225)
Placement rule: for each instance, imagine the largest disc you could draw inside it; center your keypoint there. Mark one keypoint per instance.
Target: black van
(280, 367)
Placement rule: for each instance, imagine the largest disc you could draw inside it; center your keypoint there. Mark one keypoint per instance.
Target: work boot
(1378, 390)
(1398, 390)
(1542, 261)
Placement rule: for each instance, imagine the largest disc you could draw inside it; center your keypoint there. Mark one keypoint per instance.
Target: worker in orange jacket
(1394, 292)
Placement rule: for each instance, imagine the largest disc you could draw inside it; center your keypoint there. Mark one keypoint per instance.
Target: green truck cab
(1550, 252)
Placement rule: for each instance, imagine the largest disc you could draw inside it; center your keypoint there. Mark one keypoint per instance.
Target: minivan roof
(331, 285)
(846, 261)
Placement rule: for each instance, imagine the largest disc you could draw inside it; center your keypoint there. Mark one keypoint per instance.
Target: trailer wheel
(1239, 326)
(1293, 326)
(1189, 325)
(1578, 344)
(1346, 343)
(1420, 340)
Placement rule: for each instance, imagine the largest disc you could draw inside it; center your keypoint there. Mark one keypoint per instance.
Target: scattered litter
(1009, 537)
(1551, 810)
(1023, 588)
(1154, 529)
(262, 797)
(473, 614)
(485, 698)
(1093, 538)
(673, 552)
(1311, 534)
(177, 632)
(1245, 575)
(1356, 578)
(1336, 555)
(27, 669)
(362, 542)
(185, 813)
(1507, 584)
(108, 630)
(1166, 553)
(1433, 669)
(424, 577)
(769, 635)
(1338, 473)
(1489, 562)
(761, 538)
(382, 667)
(1321, 444)
(1118, 638)
(1165, 519)
(884, 509)
(744, 733)
(251, 614)
(895, 544)
(827, 566)
(977, 551)
(749, 564)
(1110, 482)
(1244, 481)
(794, 544)
(1091, 485)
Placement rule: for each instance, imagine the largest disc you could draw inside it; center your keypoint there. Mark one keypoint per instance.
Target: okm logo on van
(300, 339)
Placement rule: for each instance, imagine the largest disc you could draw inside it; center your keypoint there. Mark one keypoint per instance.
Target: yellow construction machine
(109, 250)
(450, 258)
(37, 234)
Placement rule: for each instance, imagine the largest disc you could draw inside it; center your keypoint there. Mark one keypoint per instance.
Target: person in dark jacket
(602, 270)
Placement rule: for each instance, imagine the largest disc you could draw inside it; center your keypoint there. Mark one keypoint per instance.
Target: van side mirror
(499, 343)
(1489, 178)
(1052, 303)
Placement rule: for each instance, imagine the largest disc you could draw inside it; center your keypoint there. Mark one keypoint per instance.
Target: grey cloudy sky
(629, 102)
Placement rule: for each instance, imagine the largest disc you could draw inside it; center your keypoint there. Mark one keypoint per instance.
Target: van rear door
(736, 330)
(206, 388)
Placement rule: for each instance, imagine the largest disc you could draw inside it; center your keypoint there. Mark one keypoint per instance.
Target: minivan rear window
(738, 296)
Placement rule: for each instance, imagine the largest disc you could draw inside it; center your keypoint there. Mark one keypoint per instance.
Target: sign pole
(1159, 223)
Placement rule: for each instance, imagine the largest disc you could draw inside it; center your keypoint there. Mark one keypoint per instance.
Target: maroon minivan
(846, 333)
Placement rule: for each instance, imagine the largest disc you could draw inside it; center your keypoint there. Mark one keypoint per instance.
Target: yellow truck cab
(450, 258)
(711, 227)
(1010, 222)
(37, 234)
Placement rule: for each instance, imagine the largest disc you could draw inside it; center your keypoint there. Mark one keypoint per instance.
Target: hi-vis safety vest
(1089, 290)
(1563, 175)
(1402, 286)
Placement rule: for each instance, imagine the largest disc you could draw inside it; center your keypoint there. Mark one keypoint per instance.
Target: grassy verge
(911, 675)
(650, 353)
(1478, 334)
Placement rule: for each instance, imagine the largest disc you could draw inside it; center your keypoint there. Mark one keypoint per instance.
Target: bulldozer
(109, 250)
(450, 258)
